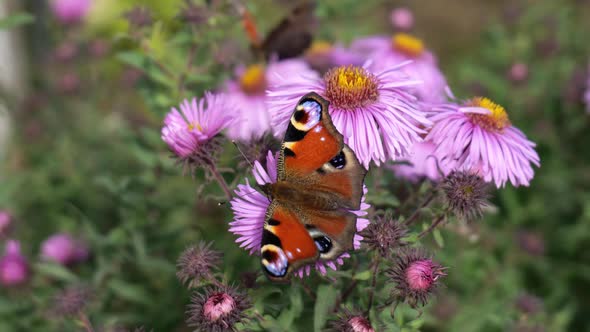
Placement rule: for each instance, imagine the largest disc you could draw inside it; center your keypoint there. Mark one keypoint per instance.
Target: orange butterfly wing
(315, 157)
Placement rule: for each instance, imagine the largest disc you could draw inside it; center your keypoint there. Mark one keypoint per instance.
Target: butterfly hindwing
(286, 243)
(293, 237)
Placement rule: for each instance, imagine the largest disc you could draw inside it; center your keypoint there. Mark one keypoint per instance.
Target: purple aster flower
(402, 18)
(249, 206)
(188, 131)
(478, 136)
(323, 55)
(248, 94)
(388, 52)
(14, 269)
(422, 163)
(374, 111)
(64, 249)
(70, 11)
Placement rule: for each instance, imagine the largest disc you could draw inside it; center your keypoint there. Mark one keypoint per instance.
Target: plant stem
(308, 290)
(85, 322)
(373, 282)
(220, 179)
(416, 213)
(344, 295)
(432, 226)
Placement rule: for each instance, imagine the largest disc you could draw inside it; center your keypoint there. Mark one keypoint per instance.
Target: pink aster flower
(422, 163)
(247, 92)
(374, 111)
(478, 136)
(188, 131)
(249, 206)
(70, 11)
(14, 269)
(64, 249)
(387, 52)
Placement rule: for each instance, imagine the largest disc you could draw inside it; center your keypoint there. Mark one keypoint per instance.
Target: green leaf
(438, 238)
(55, 271)
(130, 292)
(365, 275)
(16, 20)
(133, 59)
(326, 297)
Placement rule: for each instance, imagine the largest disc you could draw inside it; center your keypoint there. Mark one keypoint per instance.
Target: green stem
(432, 226)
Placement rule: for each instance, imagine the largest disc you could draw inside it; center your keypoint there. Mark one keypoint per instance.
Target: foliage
(88, 159)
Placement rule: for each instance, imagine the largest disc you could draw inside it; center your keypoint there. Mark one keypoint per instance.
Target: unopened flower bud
(217, 309)
(402, 18)
(64, 249)
(14, 269)
(416, 276)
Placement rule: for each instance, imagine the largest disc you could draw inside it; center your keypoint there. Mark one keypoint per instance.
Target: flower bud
(402, 18)
(6, 221)
(70, 11)
(416, 276)
(518, 72)
(14, 269)
(383, 235)
(64, 249)
(349, 321)
(196, 263)
(217, 309)
(466, 194)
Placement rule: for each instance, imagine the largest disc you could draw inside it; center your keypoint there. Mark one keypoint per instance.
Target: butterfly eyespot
(274, 261)
(307, 114)
(339, 161)
(323, 243)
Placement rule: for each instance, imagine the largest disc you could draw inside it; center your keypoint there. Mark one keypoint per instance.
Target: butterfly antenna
(242, 153)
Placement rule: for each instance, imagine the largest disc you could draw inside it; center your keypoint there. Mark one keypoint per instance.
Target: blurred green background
(85, 156)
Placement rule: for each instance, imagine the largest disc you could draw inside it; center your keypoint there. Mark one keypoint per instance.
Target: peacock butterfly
(319, 181)
(289, 38)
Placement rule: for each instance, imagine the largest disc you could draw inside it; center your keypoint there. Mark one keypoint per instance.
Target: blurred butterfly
(319, 181)
(290, 38)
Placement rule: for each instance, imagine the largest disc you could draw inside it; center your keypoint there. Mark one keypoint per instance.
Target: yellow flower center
(408, 44)
(253, 81)
(350, 87)
(319, 47)
(191, 126)
(496, 120)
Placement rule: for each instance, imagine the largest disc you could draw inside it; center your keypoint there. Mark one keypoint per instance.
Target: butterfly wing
(286, 243)
(293, 35)
(314, 156)
(293, 237)
(319, 180)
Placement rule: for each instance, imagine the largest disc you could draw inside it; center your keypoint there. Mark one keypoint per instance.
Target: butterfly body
(319, 182)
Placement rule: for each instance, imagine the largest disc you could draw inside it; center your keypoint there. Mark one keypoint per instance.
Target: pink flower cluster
(62, 248)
